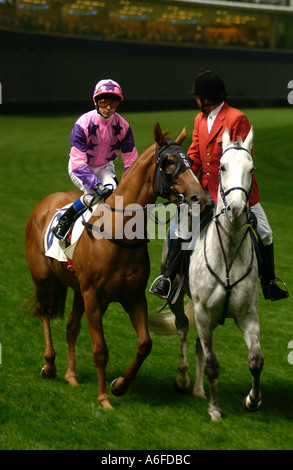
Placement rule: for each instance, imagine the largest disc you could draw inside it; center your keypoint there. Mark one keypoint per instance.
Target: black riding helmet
(209, 86)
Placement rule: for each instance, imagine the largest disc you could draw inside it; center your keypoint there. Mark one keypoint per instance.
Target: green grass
(48, 414)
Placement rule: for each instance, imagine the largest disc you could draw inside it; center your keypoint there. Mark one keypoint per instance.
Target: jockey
(96, 139)
(205, 152)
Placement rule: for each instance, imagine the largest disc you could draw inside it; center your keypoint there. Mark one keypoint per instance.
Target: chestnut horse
(104, 271)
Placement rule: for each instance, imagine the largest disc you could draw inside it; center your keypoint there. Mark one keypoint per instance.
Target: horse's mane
(142, 161)
(237, 143)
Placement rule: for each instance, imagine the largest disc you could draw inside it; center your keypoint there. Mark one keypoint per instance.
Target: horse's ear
(249, 140)
(182, 136)
(158, 135)
(226, 139)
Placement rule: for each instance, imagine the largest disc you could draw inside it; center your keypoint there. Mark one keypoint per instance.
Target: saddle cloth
(58, 249)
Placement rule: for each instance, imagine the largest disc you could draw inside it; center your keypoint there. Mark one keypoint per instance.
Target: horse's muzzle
(197, 199)
(235, 212)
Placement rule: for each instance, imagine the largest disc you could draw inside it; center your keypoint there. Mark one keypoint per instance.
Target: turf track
(47, 414)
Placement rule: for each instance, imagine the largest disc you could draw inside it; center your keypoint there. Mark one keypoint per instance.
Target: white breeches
(263, 227)
(105, 174)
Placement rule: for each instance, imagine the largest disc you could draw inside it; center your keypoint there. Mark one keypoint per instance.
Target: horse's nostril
(194, 198)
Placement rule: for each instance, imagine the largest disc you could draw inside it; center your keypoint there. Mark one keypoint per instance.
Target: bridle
(234, 188)
(163, 181)
(226, 284)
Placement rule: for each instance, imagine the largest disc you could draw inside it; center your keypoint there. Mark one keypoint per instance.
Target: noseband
(163, 180)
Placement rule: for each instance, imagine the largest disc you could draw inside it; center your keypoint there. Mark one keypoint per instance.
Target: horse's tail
(53, 307)
(31, 305)
(164, 324)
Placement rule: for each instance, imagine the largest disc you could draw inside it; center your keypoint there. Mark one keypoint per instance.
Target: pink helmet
(107, 87)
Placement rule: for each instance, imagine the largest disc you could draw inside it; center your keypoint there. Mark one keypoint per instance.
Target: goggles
(105, 103)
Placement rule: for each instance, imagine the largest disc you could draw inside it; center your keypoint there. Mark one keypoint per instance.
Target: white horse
(223, 280)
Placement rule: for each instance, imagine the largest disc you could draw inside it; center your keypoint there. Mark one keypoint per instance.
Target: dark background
(43, 73)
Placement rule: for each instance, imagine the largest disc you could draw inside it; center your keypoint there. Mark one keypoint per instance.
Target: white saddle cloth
(55, 248)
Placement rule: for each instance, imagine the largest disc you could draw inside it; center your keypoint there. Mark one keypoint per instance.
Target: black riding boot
(174, 257)
(69, 216)
(267, 276)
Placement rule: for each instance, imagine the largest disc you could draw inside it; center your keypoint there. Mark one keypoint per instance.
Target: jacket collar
(218, 124)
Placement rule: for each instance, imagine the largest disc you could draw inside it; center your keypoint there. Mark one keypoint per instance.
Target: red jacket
(206, 149)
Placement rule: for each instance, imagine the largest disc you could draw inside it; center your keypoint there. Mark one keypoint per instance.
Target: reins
(227, 285)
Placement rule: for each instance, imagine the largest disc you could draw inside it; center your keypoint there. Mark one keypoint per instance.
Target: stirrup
(154, 282)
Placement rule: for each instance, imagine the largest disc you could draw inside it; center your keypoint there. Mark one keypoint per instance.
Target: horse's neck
(230, 235)
(136, 186)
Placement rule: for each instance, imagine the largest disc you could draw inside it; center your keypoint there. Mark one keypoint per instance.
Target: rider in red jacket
(205, 153)
(206, 148)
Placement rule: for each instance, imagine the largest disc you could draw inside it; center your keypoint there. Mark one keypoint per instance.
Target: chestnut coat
(206, 149)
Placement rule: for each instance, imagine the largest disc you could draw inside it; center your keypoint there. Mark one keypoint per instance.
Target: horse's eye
(223, 168)
(252, 170)
(169, 165)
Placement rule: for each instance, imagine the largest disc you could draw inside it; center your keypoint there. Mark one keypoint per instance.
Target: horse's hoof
(182, 385)
(251, 405)
(71, 380)
(104, 401)
(46, 374)
(215, 416)
(215, 413)
(116, 387)
(198, 391)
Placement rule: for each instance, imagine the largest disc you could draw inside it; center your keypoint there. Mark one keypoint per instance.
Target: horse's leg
(49, 369)
(211, 364)
(250, 329)
(182, 381)
(94, 315)
(198, 388)
(137, 311)
(50, 303)
(73, 329)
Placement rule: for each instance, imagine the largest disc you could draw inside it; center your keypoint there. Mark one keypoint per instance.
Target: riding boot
(172, 265)
(267, 275)
(69, 216)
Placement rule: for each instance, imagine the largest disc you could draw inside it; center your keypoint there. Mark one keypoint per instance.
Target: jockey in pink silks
(96, 139)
